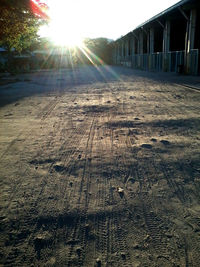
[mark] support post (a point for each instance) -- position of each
(190, 38)
(151, 41)
(150, 46)
(141, 43)
(140, 50)
(114, 54)
(122, 47)
(133, 46)
(133, 52)
(166, 46)
(148, 42)
(118, 54)
(126, 48)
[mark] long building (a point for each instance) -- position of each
(170, 41)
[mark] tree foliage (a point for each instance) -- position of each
(100, 49)
(95, 51)
(18, 24)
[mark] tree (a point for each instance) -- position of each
(100, 49)
(18, 24)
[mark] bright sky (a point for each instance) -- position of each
(76, 19)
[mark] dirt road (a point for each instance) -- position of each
(99, 167)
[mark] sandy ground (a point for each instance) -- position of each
(99, 167)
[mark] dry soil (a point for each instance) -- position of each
(99, 166)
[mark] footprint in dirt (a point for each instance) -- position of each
(148, 146)
(59, 168)
(165, 142)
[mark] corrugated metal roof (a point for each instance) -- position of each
(180, 3)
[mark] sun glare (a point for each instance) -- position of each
(63, 36)
(64, 28)
(72, 20)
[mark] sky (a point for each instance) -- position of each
(74, 19)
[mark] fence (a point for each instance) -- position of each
(156, 60)
(174, 61)
(193, 58)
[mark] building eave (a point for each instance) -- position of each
(158, 16)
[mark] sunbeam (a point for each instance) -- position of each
(92, 58)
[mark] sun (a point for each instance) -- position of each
(64, 28)
(62, 35)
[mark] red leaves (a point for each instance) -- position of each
(40, 9)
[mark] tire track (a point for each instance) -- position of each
(66, 157)
(193, 251)
(44, 180)
(102, 219)
(80, 227)
(120, 242)
(72, 136)
(46, 111)
(102, 226)
(151, 220)
(110, 234)
(175, 187)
